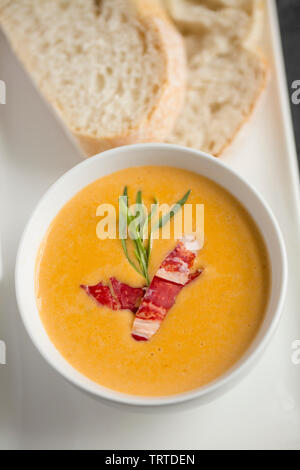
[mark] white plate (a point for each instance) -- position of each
(38, 408)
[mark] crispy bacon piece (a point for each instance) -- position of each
(151, 307)
(194, 276)
(126, 297)
(173, 274)
(102, 294)
(176, 267)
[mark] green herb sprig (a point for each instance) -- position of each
(137, 230)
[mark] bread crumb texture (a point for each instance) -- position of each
(226, 73)
(107, 66)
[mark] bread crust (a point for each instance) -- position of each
(247, 117)
(159, 123)
(249, 44)
(254, 104)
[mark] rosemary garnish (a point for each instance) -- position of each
(176, 208)
(137, 229)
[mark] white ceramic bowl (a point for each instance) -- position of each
(138, 155)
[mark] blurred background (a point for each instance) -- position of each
(289, 14)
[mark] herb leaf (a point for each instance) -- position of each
(136, 230)
(176, 208)
(151, 215)
(139, 197)
(140, 227)
(128, 257)
(123, 228)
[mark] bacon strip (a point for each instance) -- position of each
(102, 294)
(173, 274)
(126, 297)
(151, 307)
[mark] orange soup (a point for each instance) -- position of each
(213, 320)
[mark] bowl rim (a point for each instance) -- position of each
(231, 376)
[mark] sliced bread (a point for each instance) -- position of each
(114, 70)
(225, 77)
(238, 20)
(223, 87)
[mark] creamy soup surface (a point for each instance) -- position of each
(214, 319)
